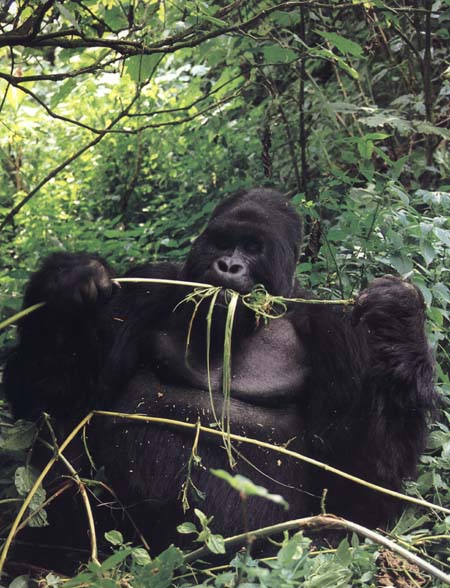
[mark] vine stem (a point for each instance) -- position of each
(278, 449)
(16, 317)
(81, 487)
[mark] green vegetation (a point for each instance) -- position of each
(123, 123)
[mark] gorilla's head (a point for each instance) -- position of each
(252, 238)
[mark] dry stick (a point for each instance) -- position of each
(161, 281)
(81, 487)
(331, 522)
(19, 315)
(283, 450)
(345, 302)
(35, 488)
(68, 484)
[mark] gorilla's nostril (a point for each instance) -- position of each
(222, 265)
(236, 269)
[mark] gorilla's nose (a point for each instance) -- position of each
(229, 267)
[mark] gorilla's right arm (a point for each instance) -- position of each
(63, 347)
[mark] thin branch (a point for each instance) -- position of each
(185, 119)
(53, 114)
(427, 83)
(97, 66)
(5, 93)
(189, 106)
(67, 484)
(330, 522)
(19, 315)
(34, 489)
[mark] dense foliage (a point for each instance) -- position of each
(123, 123)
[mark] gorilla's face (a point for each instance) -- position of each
(232, 258)
(252, 238)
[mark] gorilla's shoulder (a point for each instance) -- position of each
(164, 269)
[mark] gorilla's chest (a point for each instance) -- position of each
(268, 365)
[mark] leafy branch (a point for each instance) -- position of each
(18, 207)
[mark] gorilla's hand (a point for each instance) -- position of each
(70, 281)
(389, 301)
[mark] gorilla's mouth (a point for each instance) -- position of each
(241, 284)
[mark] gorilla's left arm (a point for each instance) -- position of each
(370, 389)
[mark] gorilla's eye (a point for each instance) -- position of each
(221, 242)
(252, 245)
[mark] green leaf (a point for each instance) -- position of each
(140, 556)
(376, 136)
(246, 487)
(428, 129)
(114, 17)
(21, 582)
(24, 479)
(159, 573)
(343, 554)
(213, 20)
(63, 91)
(115, 559)
(294, 550)
(53, 581)
(329, 55)
(215, 543)
(106, 583)
(114, 537)
(278, 54)
(428, 252)
(204, 520)
(344, 45)
(365, 148)
(442, 292)
(68, 16)
(443, 235)
(141, 67)
(401, 264)
(19, 437)
(436, 198)
(186, 528)
(381, 118)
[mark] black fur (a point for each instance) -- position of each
(353, 388)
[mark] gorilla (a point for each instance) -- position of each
(352, 387)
